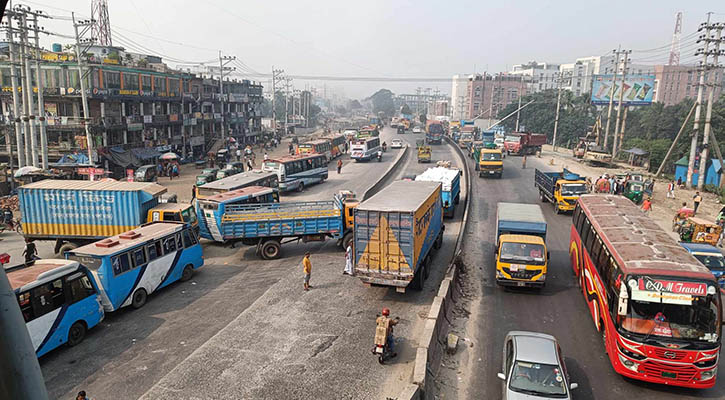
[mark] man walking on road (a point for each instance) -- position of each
(339, 166)
(671, 190)
(307, 270)
(697, 199)
(348, 261)
(193, 193)
(523, 162)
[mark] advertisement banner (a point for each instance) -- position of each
(637, 90)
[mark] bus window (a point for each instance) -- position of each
(139, 257)
(80, 287)
(172, 216)
(120, 264)
(187, 239)
(169, 244)
(179, 243)
(25, 307)
(47, 297)
(153, 252)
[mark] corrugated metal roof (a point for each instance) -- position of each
(403, 196)
(639, 244)
(150, 188)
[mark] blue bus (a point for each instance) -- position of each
(212, 208)
(364, 149)
(237, 181)
(59, 302)
(130, 266)
(299, 171)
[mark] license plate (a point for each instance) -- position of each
(520, 284)
(669, 375)
(491, 172)
(516, 267)
(379, 350)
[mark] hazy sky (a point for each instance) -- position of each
(376, 38)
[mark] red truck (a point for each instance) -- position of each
(523, 143)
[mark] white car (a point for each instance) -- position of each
(396, 144)
(417, 130)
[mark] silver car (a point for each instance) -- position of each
(534, 368)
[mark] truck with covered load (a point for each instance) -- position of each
(561, 188)
(75, 213)
(521, 254)
(450, 179)
(396, 233)
(521, 143)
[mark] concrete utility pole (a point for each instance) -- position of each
(611, 98)
(558, 106)
(710, 99)
(276, 74)
(287, 81)
(616, 145)
(19, 134)
(521, 89)
(30, 106)
(86, 25)
(41, 101)
(700, 86)
(223, 61)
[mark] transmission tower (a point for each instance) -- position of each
(101, 29)
(675, 50)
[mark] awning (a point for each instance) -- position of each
(145, 153)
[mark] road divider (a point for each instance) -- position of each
(432, 342)
(383, 181)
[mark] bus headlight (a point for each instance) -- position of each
(709, 374)
(629, 364)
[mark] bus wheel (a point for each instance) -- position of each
(76, 333)
(301, 187)
(187, 273)
(67, 246)
(271, 250)
(139, 298)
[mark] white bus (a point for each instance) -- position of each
(363, 149)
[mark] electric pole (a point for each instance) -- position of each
(615, 144)
(86, 25)
(558, 106)
(287, 81)
(30, 105)
(41, 88)
(276, 74)
(19, 133)
(223, 61)
(611, 98)
(518, 111)
(710, 99)
(700, 86)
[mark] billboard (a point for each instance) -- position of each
(637, 89)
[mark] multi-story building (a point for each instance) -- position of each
(674, 83)
(538, 77)
(458, 97)
(487, 94)
(137, 107)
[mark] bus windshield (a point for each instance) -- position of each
(528, 253)
(672, 310)
(573, 189)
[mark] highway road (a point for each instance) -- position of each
(243, 327)
(559, 309)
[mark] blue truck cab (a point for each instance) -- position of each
(711, 257)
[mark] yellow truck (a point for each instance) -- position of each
(490, 162)
(521, 254)
(562, 189)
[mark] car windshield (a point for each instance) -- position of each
(714, 262)
(573, 189)
(522, 253)
(538, 379)
(491, 156)
(513, 139)
(672, 309)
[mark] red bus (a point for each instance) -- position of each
(657, 308)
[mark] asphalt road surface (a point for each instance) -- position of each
(559, 309)
(243, 328)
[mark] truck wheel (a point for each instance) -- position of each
(139, 298)
(67, 246)
(418, 279)
(439, 242)
(347, 240)
(271, 250)
(427, 264)
(76, 333)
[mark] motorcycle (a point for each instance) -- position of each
(13, 225)
(383, 352)
(380, 156)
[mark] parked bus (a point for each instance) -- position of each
(657, 308)
(213, 208)
(319, 146)
(364, 149)
(338, 145)
(59, 302)
(130, 266)
(241, 180)
(297, 172)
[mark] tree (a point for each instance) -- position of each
(354, 105)
(383, 101)
(423, 119)
(405, 109)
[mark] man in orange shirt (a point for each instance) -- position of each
(307, 270)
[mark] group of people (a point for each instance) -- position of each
(613, 185)
(170, 169)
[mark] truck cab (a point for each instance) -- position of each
(561, 188)
(174, 212)
(521, 260)
(490, 162)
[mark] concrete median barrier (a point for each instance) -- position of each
(433, 339)
(384, 180)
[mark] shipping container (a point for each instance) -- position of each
(77, 212)
(395, 233)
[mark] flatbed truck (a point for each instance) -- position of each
(561, 188)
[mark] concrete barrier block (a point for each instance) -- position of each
(436, 308)
(427, 337)
(421, 364)
(451, 343)
(410, 392)
(444, 289)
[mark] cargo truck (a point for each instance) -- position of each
(434, 132)
(521, 255)
(562, 188)
(396, 233)
(270, 225)
(490, 161)
(75, 213)
(521, 143)
(450, 179)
